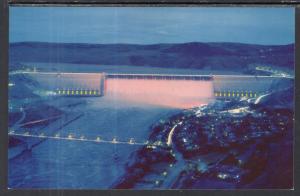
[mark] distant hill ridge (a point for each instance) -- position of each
(184, 55)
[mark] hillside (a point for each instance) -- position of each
(222, 56)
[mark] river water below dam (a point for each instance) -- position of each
(59, 163)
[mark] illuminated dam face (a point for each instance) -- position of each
(177, 91)
(162, 91)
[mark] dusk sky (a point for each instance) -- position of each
(149, 25)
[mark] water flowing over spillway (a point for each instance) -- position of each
(172, 93)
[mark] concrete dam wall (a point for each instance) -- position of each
(70, 84)
(230, 86)
(180, 91)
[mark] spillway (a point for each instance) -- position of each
(169, 93)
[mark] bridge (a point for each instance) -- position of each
(82, 138)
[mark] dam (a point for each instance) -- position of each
(170, 90)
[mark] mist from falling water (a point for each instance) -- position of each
(180, 94)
